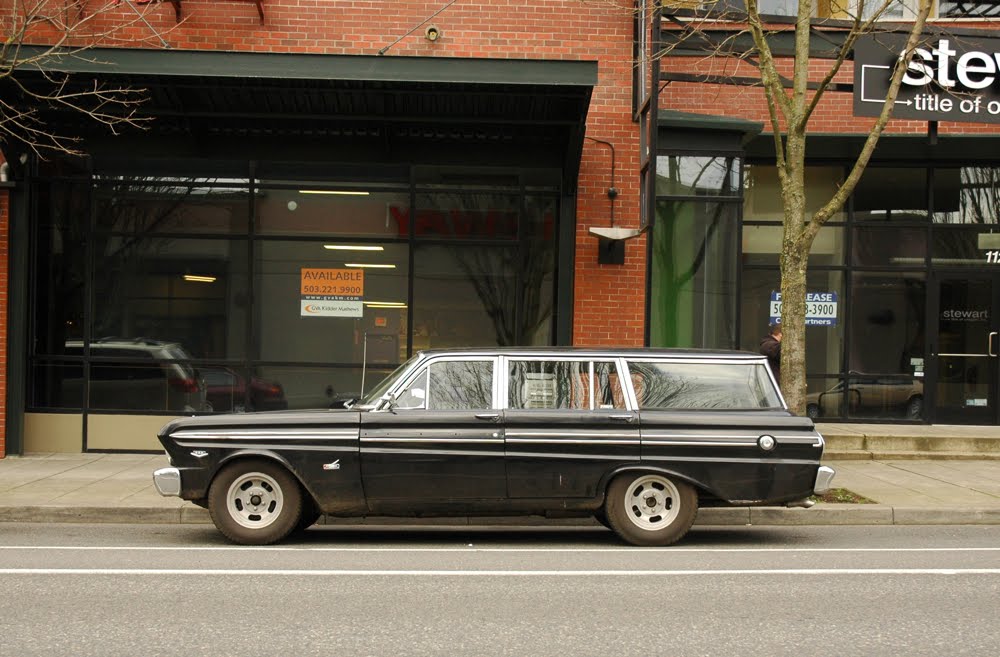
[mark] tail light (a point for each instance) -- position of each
(273, 390)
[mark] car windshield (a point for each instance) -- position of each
(386, 383)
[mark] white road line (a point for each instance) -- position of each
(494, 573)
(472, 548)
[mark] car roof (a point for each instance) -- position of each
(634, 352)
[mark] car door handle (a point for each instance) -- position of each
(488, 416)
(622, 417)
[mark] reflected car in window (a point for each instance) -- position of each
(139, 374)
(870, 396)
(229, 391)
(640, 439)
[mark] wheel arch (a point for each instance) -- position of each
(637, 468)
(267, 454)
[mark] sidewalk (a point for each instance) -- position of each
(118, 488)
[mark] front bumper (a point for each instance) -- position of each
(824, 479)
(167, 482)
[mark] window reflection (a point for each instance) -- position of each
(678, 175)
(579, 385)
(460, 385)
(716, 386)
(970, 195)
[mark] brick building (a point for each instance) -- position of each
(327, 187)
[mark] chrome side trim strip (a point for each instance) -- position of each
(601, 457)
(595, 441)
(701, 443)
(581, 434)
(449, 452)
(285, 447)
(261, 433)
(717, 459)
(368, 439)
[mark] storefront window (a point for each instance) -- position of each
(875, 245)
(465, 295)
(230, 295)
(60, 265)
(686, 175)
(290, 275)
(693, 279)
(345, 210)
(139, 206)
(887, 194)
(762, 245)
(460, 215)
(824, 326)
(970, 195)
(193, 292)
(762, 192)
(887, 323)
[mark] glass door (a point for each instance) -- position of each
(966, 349)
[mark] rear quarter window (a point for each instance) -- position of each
(718, 386)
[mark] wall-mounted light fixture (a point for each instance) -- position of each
(385, 304)
(432, 33)
(199, 279)
(368, 265)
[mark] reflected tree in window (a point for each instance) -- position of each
(461, 385)
(514, 282)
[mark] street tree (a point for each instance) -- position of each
(39, 39)
(792, 100)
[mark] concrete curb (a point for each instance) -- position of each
(821, 514)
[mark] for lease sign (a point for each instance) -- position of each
(821, 308)
(948, 79)
(331, 292)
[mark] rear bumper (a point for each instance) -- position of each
(167, 482)
(824, 479)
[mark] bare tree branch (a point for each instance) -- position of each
(35, 80)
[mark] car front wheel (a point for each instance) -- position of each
(255, 502)
(650, 509)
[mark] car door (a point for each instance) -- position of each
(441, 442)
(566, 423)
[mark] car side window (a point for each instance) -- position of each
(678, 385)
(450, 385)
(457, 385)
(569, 384)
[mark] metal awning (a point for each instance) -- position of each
(382, 102)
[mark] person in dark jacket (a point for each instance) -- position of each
(770, 346)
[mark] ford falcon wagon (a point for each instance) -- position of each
(638, 438)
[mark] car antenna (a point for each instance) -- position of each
(364, 362)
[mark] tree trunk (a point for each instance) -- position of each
(793, 325)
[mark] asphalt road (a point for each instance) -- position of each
(181, 590)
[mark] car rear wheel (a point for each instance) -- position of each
(255, 502)
(650, 509)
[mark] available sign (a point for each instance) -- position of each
(332, 292)
(948, 79)
(821, 308)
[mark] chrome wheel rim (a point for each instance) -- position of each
(255, 500)
(652, 502)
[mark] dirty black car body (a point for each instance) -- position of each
(638, 438)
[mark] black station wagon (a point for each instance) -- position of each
(637, 438)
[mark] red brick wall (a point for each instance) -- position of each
(608, 298)
(4, 237)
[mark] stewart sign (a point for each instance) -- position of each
(948, 79)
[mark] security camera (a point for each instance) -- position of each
(432, 33)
